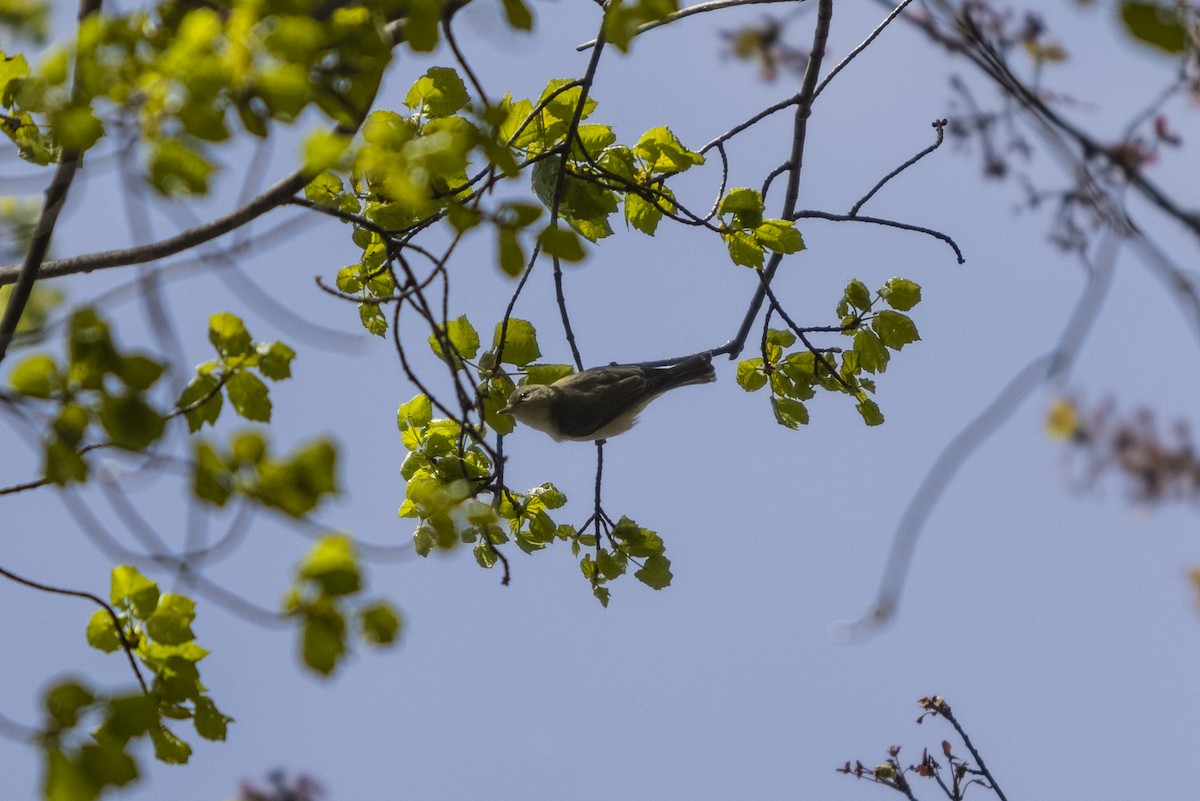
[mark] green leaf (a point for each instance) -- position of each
(171, 623)
(275, 360)
(790, 413)
(780, 236)
(495, 393)
(655, 572)
(663, 154)
(417, 412)
(750, 374)
(869, 411)
(178, 678)
(324, 638)
(211, 479)
(131, 590)
(900, 293)
(90, 350)
(546, 373)
(781, 338)
(296, 486)
(168, 748)
(106, 763)
(595, 138)
(249, 396)
(228, 335)
(36, 376)
(746, 206)
(372, 319)
(325, 150)
(102, 633)
(130, 716)
(66, 780)
(380, 623)
(211, 724)
(485, 557)
(895, 329)
(548, 496)
(744, 249)
(63, 463)
(440, 92)
(520, 342)
(139, 372)
(65, 701)
(176, 169)
(857, 295)
(623, 17)
(76, 129)
(561, 243)
(873, 356)
(1156, 24)
(328, 190)
(642, 214)
(130, 422)
(510, 255)
(422, 24)
(463, 337)
(333, 565)
(518, 15)
(71, 423)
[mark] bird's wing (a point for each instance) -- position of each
(598, 398)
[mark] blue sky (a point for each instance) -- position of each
(1060, 625)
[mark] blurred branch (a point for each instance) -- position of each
(268, 200)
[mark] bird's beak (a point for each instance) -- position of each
(507, 409)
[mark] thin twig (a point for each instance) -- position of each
(116, 621)
(861, 47)
(939, 126)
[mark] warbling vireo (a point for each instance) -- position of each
(604, 401)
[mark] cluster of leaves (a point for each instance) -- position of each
(446, 475)
(628, 542)
(97, 385)
(598, 172)
(405, 172)
(156, 629)
(747, 235)
(327, 581)
(793, 377)
(236, 370)
(294, 484)
(185, 71)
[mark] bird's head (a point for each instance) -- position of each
(531, 405)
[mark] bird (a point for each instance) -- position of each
(601, 402)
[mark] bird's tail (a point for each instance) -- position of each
(693, 370)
